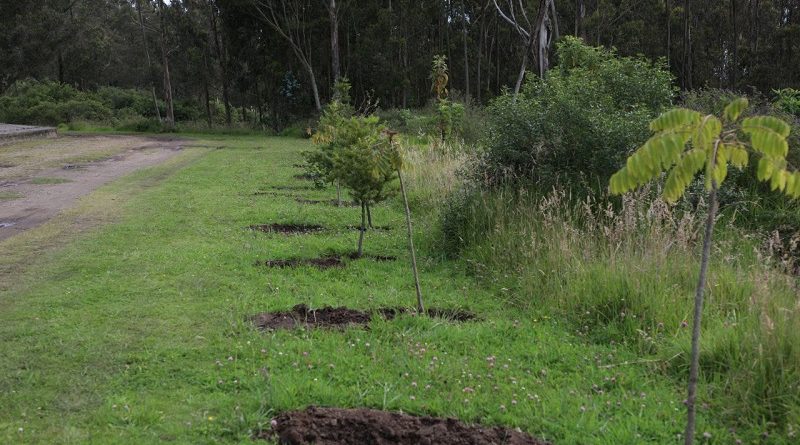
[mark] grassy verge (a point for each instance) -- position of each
(138, 333)
(627, 276)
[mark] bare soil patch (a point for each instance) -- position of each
(287, 229)
(327, 262)
(338, 426)
(73, 167)
(339, 317)
(301, 315)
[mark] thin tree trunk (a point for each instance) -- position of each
(333, 13)
(259, 103)
(698, 311)
(223, 67)
(669, 32)
(149, 61)
(479, 56)
(735, 44)
(362, 230)
(522, 68)
(165, 61)
(205, 89)
(314, 89)
(420, 306)
(686, 80)
(466, 50)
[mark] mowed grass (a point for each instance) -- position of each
(138, 332)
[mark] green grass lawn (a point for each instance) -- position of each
(137, 332)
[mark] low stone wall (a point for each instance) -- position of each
(13, 133)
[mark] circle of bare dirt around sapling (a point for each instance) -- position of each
(367, 256)
(328, 262)
(378, 228)
(340, 317)
(339, 426)
(287, 229)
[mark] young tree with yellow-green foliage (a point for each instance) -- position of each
(686, 143)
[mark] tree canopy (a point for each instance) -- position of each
(257, 55)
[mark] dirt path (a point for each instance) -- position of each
(32, 190)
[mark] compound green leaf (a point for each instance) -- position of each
(760, 123)
(734, 109)
(675, 118)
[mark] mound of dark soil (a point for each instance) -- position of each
(337, 426)
(327, 262)
(328, 317)
(378, 228)
(301, 315)
(366, 256)
(287, 229)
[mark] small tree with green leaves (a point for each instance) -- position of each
(449, 115)
(319, 163)
(685, 143)
(364, 161)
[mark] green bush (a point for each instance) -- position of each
(788, 99)
(757, 208)
(581, 120)
(52, 103)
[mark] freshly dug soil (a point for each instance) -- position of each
(378, 228)
(337, 426)
(301, 315)
(327, 262)
(329, 317)
(288, 229)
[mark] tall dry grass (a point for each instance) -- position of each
(625, 272)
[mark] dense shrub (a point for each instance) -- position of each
(788, 99)
(53, 103)
(49, 103)
(757, 208)
(582, 119)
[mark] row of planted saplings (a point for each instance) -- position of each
(359, 154)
